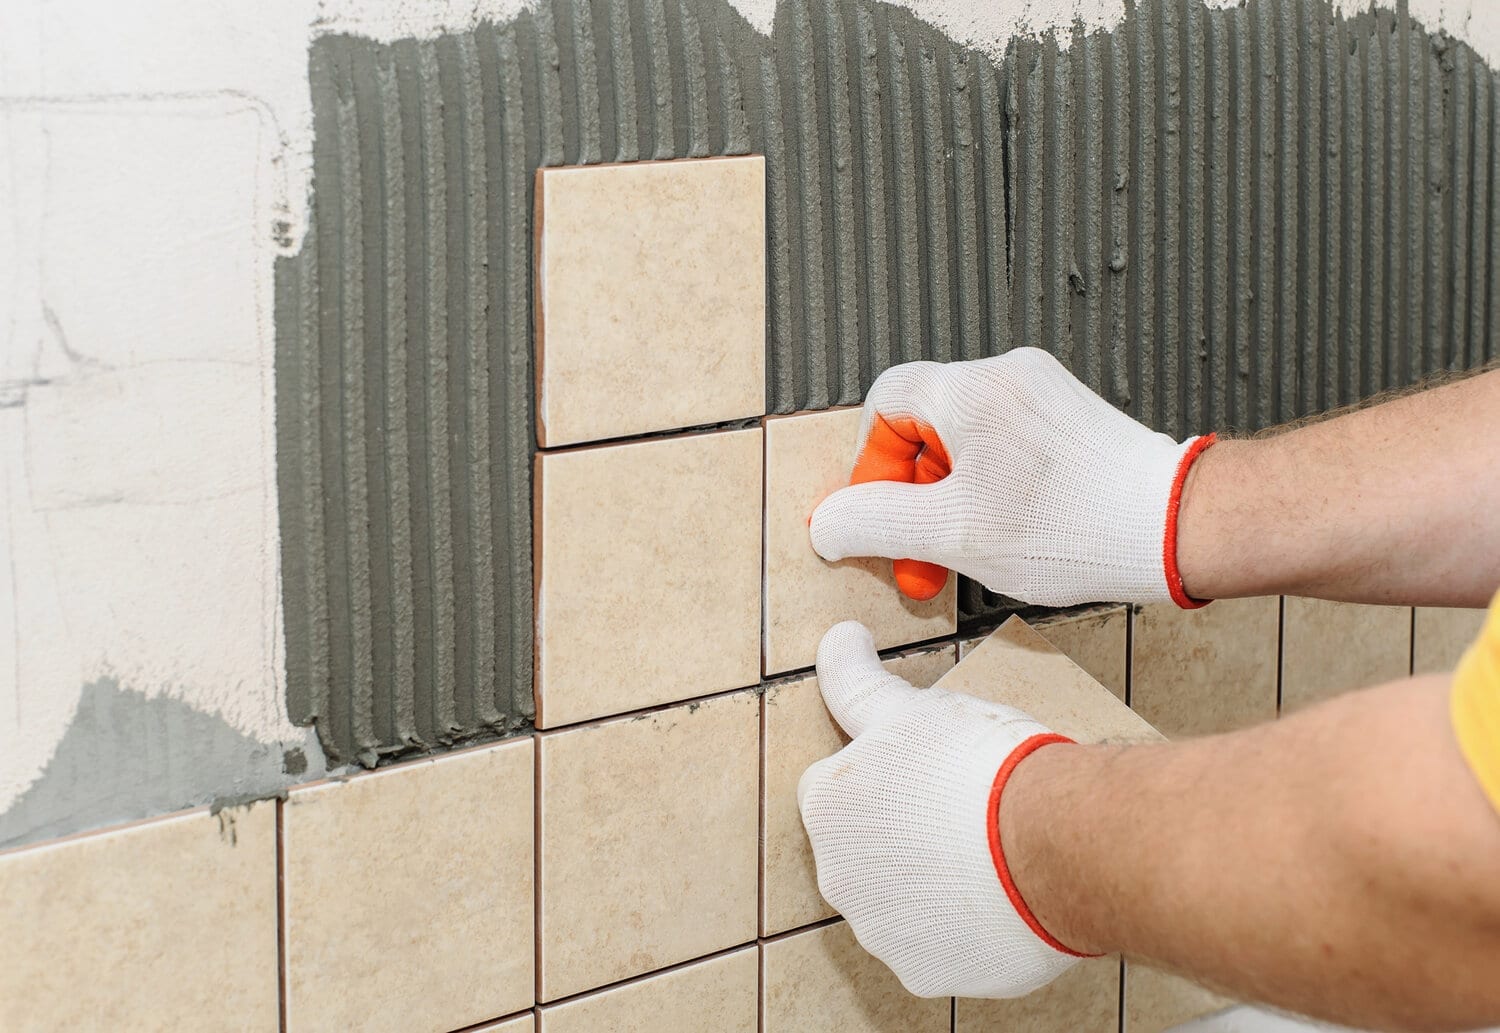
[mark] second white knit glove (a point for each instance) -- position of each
(1020, 477)
(904, 823)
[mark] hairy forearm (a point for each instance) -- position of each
(1342, 863)
(1398, 503)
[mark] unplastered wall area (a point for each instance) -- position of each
(442, 390)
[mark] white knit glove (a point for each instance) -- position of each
(1051, 495)
(904, 827)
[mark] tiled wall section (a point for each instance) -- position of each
(637, 862)
(675, 888)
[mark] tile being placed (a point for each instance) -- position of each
(651, 288)
(1156, 1001)
(408, 894)
(798, 731)
(1095, 641)
(1016, 666)
(648, 841)
(1198, 672)
(822, 979)
(1084, 999)
(166, 924)
(1440, 636)
(809, 456)
(641, 549)
(1328, 648)
(718, 994)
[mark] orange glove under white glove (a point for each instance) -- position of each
(904, 823)
(1012, 472)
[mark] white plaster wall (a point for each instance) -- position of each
(154, 160)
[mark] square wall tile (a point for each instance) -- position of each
(1328, 648)
(717, 995)
(1095, 641)
(1198, 672)
(1440, 636)
(408, 894)
(1016, 666)
(798, 730)
(1156, 1001)
(808, 457)
(647, 573)
(1084, 999)
(823, 979)
(649, 829)
(166, 924)
(651, 297)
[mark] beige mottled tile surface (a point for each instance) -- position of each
(643, 549)
(648, 844)
(1328, 648)
(1084, 999)
(717, 995)
(1095, 641)
(1197, 672)
(1016, 666)
(408, 894)
(165, 924)
(519, 1024)
(651, 288)
(809, 456)
(798, 731)
(822, 981)
(1156, 1001)
(1440, 636)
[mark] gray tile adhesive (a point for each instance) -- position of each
(1219, 219)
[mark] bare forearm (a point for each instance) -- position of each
(1399, 503)
(1342, 863)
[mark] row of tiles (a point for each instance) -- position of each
(425, 895)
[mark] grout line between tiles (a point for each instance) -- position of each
(1411, 646)
(1280, 646)
(760, 829)
(784, 934)
(1129, 651)
(486, 1023)
(672, 433)
(536, 867)
(953, 1015)
(619, 984)
(281, 951)
(1121, 1015)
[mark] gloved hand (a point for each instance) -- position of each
(1019, 477)
(905, 829)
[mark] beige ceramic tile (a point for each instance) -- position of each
(1084, 999)
(649, 829)
(648, 573)
(1095, 641)
(822, 980)
(167, 924)
(798, 731)
(1328, 648)
(408, 895)
(1016, 666)
(1197, 672)
(651, 311)
(717, 995)
(1440, 637)
(1156, 1001)
(807, 457)
(519, 1024)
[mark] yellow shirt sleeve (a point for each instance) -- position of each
(1475, 705)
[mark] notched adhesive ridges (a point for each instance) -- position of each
(1219, 218)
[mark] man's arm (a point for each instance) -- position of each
(1397, 503)
(1342, 862)
(1050, 495)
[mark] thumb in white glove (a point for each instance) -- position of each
(1012, 472)
(904, 823)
